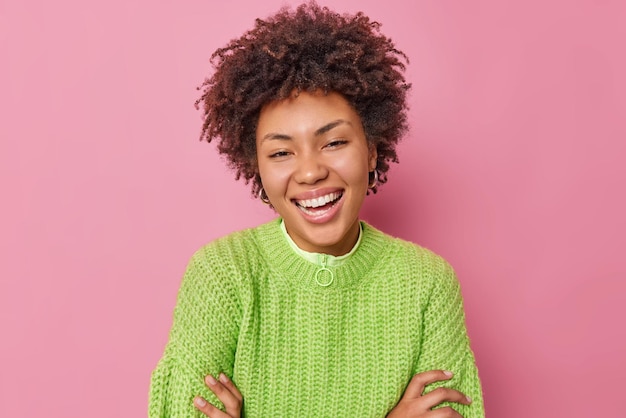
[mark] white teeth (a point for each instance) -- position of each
(320, 201)
(320, 212)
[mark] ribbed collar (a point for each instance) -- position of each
(289, 266)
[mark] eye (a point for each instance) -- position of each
(336, 143)
(279, 154)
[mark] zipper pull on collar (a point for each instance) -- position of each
(324, 276)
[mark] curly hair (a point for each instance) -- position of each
(309, 49)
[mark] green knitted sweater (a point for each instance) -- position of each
(250, 307)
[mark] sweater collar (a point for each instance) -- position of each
(290, 267)
(322, 260)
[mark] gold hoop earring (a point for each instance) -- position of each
(374, 183)
(263, 196)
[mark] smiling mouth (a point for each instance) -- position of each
(319, 205)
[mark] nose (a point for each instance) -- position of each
(310, 169)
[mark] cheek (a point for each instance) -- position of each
(274, 178)
(354, 169)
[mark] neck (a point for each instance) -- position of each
(342, 247)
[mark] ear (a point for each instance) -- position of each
(372, 157)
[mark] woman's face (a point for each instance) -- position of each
(314, 162)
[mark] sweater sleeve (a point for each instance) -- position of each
(445, 344)
(202, 339)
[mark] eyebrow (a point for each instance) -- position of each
(320, 131)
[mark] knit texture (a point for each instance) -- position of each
(250, 307)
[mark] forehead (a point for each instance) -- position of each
(305, 112)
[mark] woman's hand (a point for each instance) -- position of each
(414, 404)
(226, 392)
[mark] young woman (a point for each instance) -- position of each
(314, 314)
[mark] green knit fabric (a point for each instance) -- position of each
(250, 307)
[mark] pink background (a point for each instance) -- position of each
(513, 171)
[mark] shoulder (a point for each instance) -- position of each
(234, 256)
(407, 251)
(413, 262)
(230, 247)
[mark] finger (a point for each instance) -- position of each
(208, 409)
(223, 393)
(439, 395)
(231, 386)
(419, 381)
(445, 412)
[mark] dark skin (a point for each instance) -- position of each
(414, 403)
